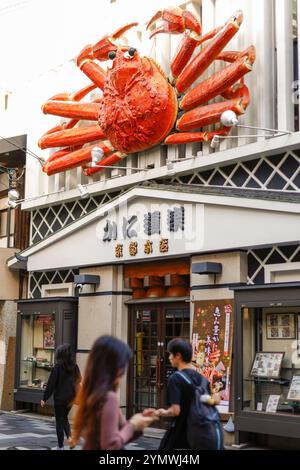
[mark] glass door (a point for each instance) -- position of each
(152, 326)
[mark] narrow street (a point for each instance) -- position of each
(19, 432)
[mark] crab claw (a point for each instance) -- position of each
(103, 47)
(175, 21)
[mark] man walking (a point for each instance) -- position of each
(180, 392)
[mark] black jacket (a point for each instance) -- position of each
(62, 384)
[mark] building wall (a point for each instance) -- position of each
(204, 287)
(102, 314)
(9, 280)
(51, 69)
(8, 318)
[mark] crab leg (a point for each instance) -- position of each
(176, 21)
(189, 137)
(76, 96)
(73, 159)
(62, 153)
(110, 160)
(67, 125)
(207, 115)
(72, 109)
(209, 53)
(78, 136)
(220, 81)
(183, 55)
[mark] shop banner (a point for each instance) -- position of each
(212, 345)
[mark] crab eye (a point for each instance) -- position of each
(131, 51)
(111, 55)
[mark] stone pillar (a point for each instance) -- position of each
(102, 311)
(207, 287)
(234, 271)
(8, 318)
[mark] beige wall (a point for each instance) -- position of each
(9, 279)
(8, 317)
(288, 346)
(102, 314)
(234, 270)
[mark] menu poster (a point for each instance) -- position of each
(294, 390)
(49, 335)
(212, 344)
(267, 364)
(272, 403)
(281, 326)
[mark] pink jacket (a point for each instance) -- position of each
(114, 430)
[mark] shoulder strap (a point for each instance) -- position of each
(190, 381)
(185, 378)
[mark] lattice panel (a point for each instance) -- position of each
(37, 279)
(276, 173)
(259, 258)
(273, 173)
(49, 220)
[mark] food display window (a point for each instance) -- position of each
(266, 364)
(271, 363)
(42, 325)
(37, 349)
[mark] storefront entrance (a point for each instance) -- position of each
(151, 327)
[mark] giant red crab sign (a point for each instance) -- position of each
(140, 105)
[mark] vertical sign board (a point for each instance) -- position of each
(212, 345)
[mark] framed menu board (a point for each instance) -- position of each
(294, 390)
(267, 364)
(281, 326)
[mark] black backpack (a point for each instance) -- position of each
(204, 429)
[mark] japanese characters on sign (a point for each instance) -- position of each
(212, 344)
(152, 224)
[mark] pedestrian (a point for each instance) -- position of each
(64, 379)
(99, 419)
(180, 393)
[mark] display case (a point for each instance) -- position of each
(42, 325)
(267, 360)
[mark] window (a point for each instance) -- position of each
(37, 350)
(271, 360)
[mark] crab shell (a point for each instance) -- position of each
(139, 106)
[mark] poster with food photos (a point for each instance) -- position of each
(272, 404)
(267, 364)
(281, 326)
(294, 390)
(212, 344)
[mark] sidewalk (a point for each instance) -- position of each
(30, 431)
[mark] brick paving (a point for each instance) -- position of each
(21, 432)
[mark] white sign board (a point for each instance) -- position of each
(148, 229)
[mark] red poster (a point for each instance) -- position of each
(212, 344)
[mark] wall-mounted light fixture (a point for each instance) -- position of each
(230, 119)
(84, 193)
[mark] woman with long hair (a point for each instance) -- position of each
(99, 419)
(63, 382)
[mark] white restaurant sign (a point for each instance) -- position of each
(146, 224)
(148, 229)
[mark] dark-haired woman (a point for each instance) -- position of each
(99, 419)
(63, 382)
